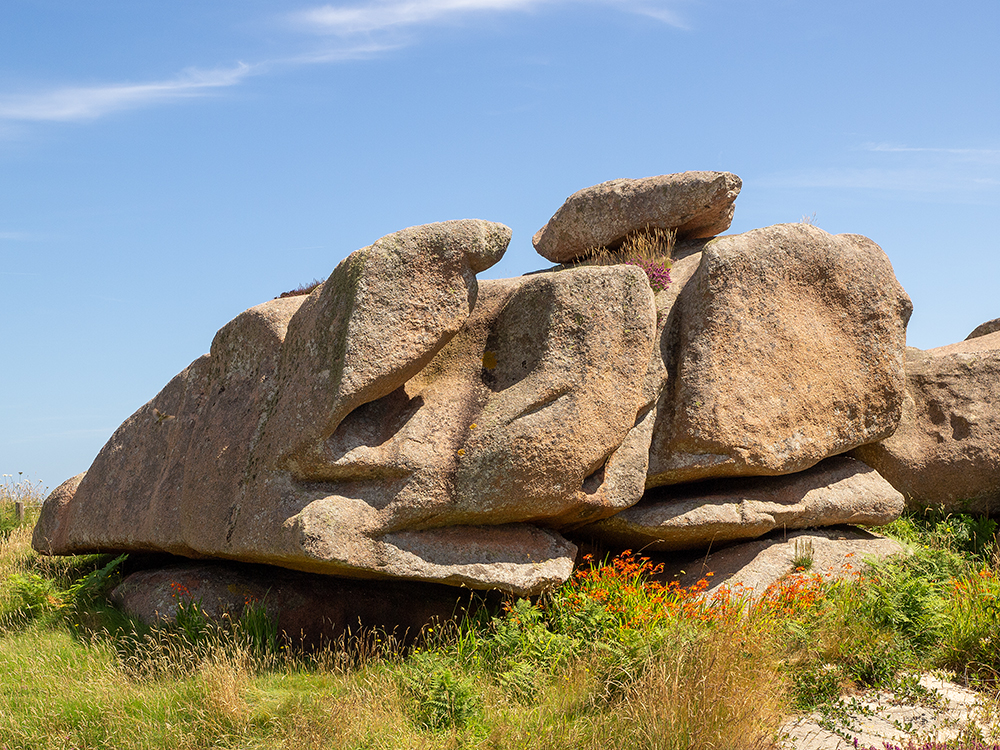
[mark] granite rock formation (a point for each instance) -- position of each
(784, 347)
(839, 490)
(407, 421)
(496, 414)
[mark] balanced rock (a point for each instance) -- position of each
(695, 204)
(785, 346)
(402, 421)
(840, 490)
(946, 451)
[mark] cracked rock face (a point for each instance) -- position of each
(402, 421)
(946, 451)
(839, 490)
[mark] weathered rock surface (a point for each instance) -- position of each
(840, 490)
(946, 450)
(786, 346)
(984, 329)
(308, 609)
(696, 204)
(376, 322)
(60, 497)
(404, 420)
(495, 413)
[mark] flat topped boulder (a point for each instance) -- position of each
(839, 490)
(695, 204)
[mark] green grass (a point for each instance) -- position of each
(611, 659)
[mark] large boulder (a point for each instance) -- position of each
(402, 421)
(695, 204)
(946, 450)
(840, 490)
(785, 346)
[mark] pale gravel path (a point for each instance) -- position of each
(877, 717)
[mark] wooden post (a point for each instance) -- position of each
(19, 511)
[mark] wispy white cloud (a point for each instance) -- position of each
(396, 15)
(894, 148)
(353, 49)
(379, 16)
(359, 31)
(90, 102)
(944, 173)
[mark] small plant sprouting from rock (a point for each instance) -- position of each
(648, 249)
(301, 290)
(802, 557)
(657, 272)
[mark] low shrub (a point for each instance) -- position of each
(441, 695)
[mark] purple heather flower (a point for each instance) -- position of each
(657, 273)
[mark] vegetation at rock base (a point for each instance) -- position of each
(617, 657)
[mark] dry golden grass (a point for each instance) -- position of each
(725, 690)
(647, 246)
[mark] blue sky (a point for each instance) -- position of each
(164, 166)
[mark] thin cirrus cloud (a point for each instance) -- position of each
(385, 16)
(894, 148)
(950, 173)
(360, 30)
(939, 182)
(91, 102)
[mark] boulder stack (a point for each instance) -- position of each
(405, 421)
